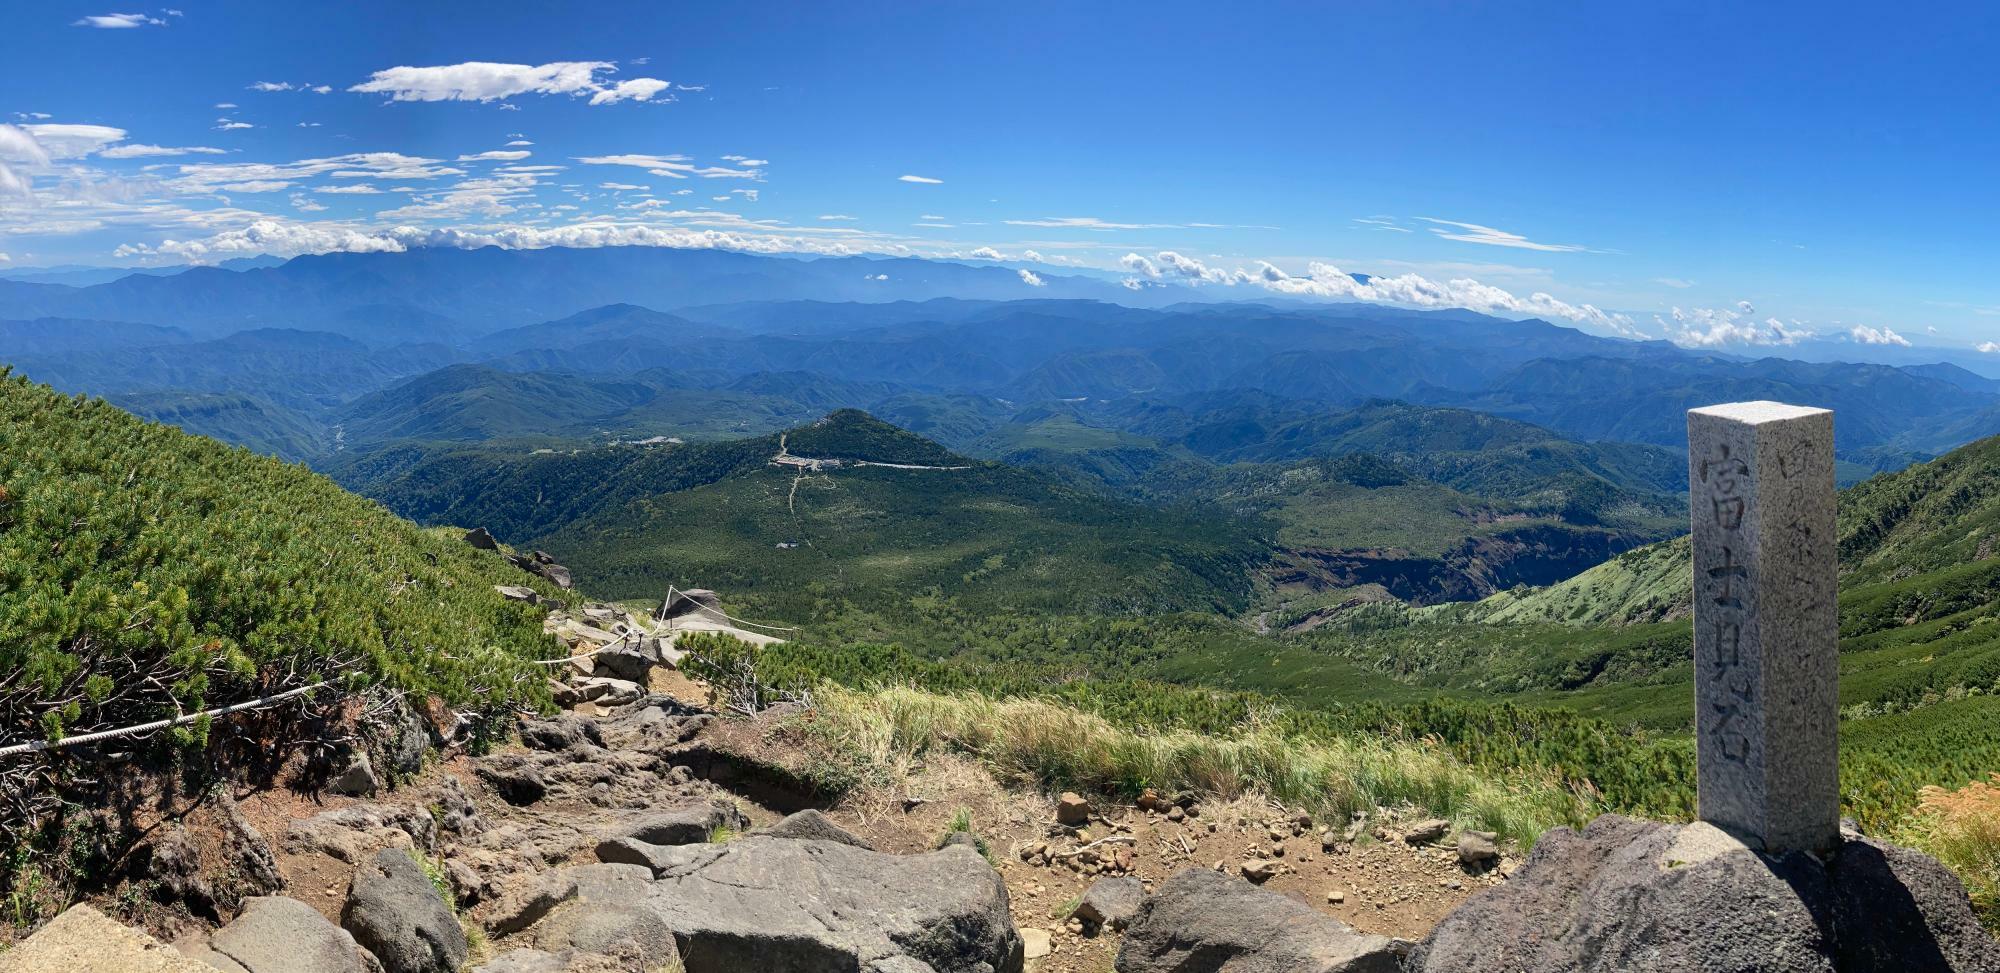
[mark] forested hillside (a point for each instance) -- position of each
(145, 572)
(634, 519)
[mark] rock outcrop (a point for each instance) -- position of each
(1639, 896)
(1201, 921)
(810, 824)
(778, 905)
(396, 913)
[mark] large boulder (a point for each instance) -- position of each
(83, 940)
(1639, 896)
(280, 935)
(1202, 921)
(789, 905)
(688, 602)
(395, 911)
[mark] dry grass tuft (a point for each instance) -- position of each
(1962, 829)
(1049, 745)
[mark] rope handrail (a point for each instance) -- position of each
(83, 738)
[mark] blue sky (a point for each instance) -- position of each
(1719, 174)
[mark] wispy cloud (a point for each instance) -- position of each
(1088, 223)
(485, 81)
(1674, 282)
(1488, 236)
(670, 166)
(1381, 223)
(124, 21)
(140, 150)
(837, 217)
(922, 179)
(497, 155)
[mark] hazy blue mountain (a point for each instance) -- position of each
(44, 336)
(1646, 401)
(505, 288)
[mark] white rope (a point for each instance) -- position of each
(40, 745)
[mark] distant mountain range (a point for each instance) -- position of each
(1435, 454)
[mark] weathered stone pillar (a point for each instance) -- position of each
(1767, 707)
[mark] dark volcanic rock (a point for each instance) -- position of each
(1112, 902)
(560, 733)
(1638, 896)
(1202, 921)
(683, 825)
(810, 824)
(395, 911)
(517, 781)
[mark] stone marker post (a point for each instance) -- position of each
(1766, 670)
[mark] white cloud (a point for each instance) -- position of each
(229, 125)
(1988, 347)
(282, 238)
(1877, 336)
(321, 89)
(225, 105)
(18, 144)
(744, 160)
(488, 81)
(358, 189)
(922, 179)
(306, 204)
(1720, 327)
(1030, 278)
(271, 86)
(121, 21)
(73, 141)
(255, 186)
(1381, 223)
(1088, 223)
(140, 150)
(837, 217)
(519, 142)
(497, 156)
(637, 89)
(4, 259)
(1474, 233)
(619, 186)
(1328, 281)
(986, 253)
(670, 166)
(1032, 255)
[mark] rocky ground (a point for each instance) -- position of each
(643, 831)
